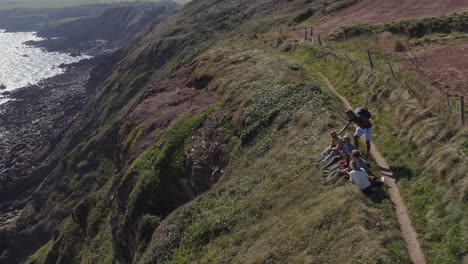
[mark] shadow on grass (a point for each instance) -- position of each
(401, 173)
(378, 195)
(386, 172)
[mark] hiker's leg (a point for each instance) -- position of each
(333, 161)
(375, 184)
(358, 133)
(323, 152)
(326, 158)
(368, 139)
(367, 190)
(335, 168)
(356, 142)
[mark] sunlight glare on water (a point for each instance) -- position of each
(21, 64)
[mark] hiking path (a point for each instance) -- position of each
(408, 232)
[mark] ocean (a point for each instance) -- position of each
(21, 65)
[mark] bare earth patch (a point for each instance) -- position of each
(168, 100)
(445, 67)
(378, 11)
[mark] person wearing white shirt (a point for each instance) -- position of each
(361, 179)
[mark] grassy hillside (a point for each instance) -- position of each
(126, 190)
(272, 204)
(424, 147)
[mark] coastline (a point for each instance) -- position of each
(30, 126)
(27, 65)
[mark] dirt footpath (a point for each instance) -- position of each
(378, 11)
(407, 230)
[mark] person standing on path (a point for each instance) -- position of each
(364, 126)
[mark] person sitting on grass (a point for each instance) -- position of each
(343, 165)
(335, 146)
(364, 126)
(356, 156)
(347, 146)
(361, 179)
(362, 163)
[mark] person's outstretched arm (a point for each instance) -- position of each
(350, 176)
(344, 128)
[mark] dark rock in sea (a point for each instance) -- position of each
(75, 54)
(2, 87)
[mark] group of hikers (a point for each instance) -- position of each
(342, 158)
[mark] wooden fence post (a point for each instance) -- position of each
(448, 103)
(320, 40)
(312, 34)
(462, 110)
(370, 59)
(393, 73)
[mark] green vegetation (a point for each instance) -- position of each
(321, 8)
(413, 28)
(132, 139)
(338, 5)
(272, 205)
(303, 16)
(63, 21)
(414, 132)
(27, 216)
(167, 157)
(41, 255)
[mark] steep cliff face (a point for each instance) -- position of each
(111, 29)
(157, 178)
(80, 187)
(192, 147)
(34, 19)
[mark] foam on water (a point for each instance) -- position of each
(21, 64)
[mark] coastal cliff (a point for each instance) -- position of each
(191, 144)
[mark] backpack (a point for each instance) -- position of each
(363, 112)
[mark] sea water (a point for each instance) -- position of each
(21, 65)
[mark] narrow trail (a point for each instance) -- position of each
(408, 233)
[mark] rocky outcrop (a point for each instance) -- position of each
(181, 95)
(30, 127)
(207, 156)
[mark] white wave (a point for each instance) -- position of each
(21, 64)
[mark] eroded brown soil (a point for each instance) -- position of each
(378, 11)
(445, 67)
(180, 95)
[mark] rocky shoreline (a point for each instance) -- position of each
(30, 126)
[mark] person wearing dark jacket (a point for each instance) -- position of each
(364, 126)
